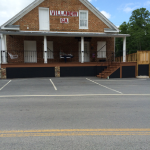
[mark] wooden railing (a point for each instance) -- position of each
(129, 58)
(143, 57)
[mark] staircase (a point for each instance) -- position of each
(109, 70)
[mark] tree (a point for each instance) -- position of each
(138, 26)
(139, 29)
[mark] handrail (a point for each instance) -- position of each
(109, 58)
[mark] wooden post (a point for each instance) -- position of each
(137, 62)
(120, 70)
(149, 64)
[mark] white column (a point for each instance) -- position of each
(0, 50)
(124, 49)
(82, 49)
(114, 49)
(45, 50)
(4, 48)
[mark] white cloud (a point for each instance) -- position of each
(9, 8)
(147, 3)
(91, 0)
(129, 7)
(107, 15)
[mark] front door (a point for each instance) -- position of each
(86, 52)
(30, 53)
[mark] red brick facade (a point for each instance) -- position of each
(67, 44)
(31, 19)
(15, 44)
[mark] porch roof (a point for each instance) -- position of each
(63, 34)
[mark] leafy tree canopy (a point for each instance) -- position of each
(139, 29)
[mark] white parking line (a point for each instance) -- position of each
(53, 85)
(78, 95)
(120, 80)
(104, 86)
(5, 85)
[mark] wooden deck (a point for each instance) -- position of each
(69, 64)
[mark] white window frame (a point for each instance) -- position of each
(87, 19)
(43, 8)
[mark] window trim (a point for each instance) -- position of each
(44, 8)
(87, 19)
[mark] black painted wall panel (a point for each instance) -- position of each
(80, 71)
(128, 72)
(116, 74)
(30, 72)
(77, 71)
(143, 70)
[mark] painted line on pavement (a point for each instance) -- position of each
(78, 95)
(74, 132)
(104, 86)
(53, 85)
(119, 80)
(5, 85)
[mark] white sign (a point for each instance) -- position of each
(64, 20)
(63, 13)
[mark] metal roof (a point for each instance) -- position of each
(63, 34)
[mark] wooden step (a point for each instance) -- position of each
(108, 71)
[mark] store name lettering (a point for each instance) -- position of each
(63, 13)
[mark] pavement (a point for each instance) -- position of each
(75, 113)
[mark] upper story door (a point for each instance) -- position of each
(44, 23)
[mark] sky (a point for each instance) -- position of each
(117, 11)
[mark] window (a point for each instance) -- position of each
(101, 49)
(83, 19)
(44, 19)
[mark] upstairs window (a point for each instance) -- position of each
(44, 19)
(83, 19)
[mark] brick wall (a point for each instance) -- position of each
(15, 45)
(31, 19)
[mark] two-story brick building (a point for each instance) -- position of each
(59, 38)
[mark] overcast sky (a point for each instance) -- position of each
(117, 11)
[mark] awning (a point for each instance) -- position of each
(63, 34)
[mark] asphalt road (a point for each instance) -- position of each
(74, 113)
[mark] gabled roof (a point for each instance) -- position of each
(22, 13)
(37, 2)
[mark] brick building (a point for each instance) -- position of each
(56, 34)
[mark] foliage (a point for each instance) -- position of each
(139, 29)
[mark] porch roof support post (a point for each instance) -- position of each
(45, 50)
(124, 49)
(82, 49)
(4, 49)
(0, 50)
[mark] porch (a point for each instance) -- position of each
(95, 51)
